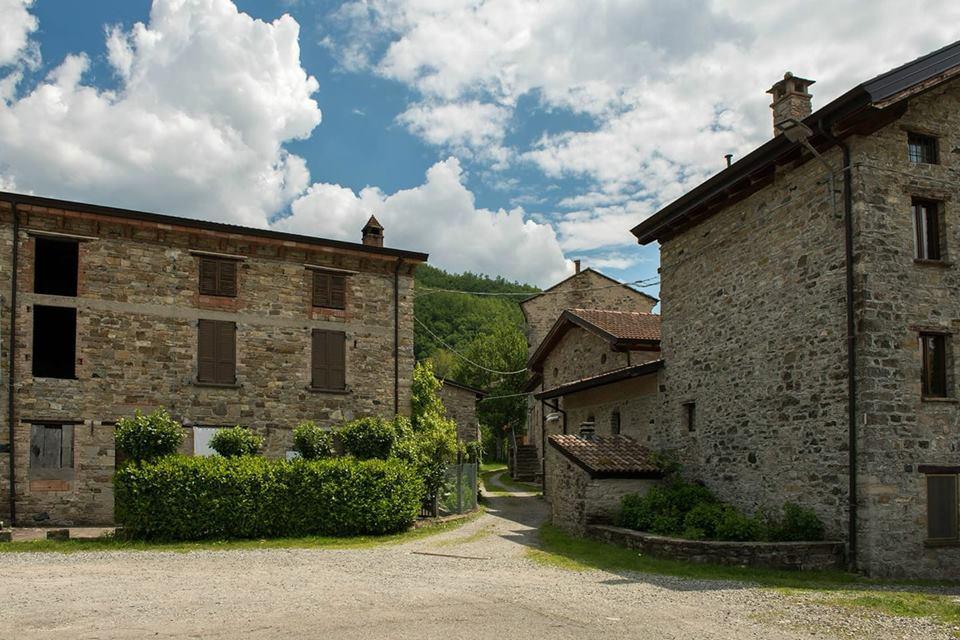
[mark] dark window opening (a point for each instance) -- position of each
(329, 290)
(328, 366)
(690, 415)
(933, 349)
(926, 225)
(55, 266)
(216, 352)
(51, 449)
(942, 506)
(218, 277)
(54, 342)
(615, 422)
(921, 149)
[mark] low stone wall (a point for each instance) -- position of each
(771, 555)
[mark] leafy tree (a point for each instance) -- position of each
(433, 445)
(504, 348)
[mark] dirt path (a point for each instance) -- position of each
(475, 582)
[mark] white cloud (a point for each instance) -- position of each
(440, 217)
(613, 260)
(464, 127)
(208, 96)
(16, 25)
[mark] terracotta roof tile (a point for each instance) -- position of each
(623, 325)
(607, 456)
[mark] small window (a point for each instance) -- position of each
(55, 267)
(54, 342)
(926, 225)
(942, 507)
(218, 277)
(216, 352)
(921, 149)
(51, 450)
(201, 440)
(603, 358)
(329, 290)
(328, 360)
(690, 415)
(933, 350)
(615, 422)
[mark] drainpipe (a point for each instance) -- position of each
(543, 435)
(12, 357)
(851, 347)
(396, 337)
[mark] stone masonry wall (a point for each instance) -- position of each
(899, 430)
(754, 334)
(461, 406)
(636, 399)
(137, 313)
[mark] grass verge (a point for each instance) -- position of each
(506, 482)
(839, 588)
(111, 543)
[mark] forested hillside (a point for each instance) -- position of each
(484, 329)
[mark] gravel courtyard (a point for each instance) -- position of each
(472, 582)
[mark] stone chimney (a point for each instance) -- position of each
(791, 99)
(373, 233)
(576, 266)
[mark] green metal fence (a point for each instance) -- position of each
(459, 491)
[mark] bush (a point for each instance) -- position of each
(235, 442)
(798, 524)
(369, 438)
(736, 526)
(193, 498)
(145, 438)
(703, 520)
(312, 441)
(663, 508)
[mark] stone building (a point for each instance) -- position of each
(809, 312)
(460, 401)
(113, 310)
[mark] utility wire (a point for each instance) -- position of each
(463, 357)
(647, 282)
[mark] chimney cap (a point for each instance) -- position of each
(790, 84)
(373, 223)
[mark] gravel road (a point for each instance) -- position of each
(474, 582)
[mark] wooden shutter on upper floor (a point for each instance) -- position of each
(227, 278)
(328, 360)
(218, 277)
(208, 276)
(942, 507)
(329, 290)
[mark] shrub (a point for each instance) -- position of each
(235, 442)
(798, 524)
(145, 438)
(663, 508)
(736, 526)
(368, 438)
(312, 441)
(193, 498)
(703, 519)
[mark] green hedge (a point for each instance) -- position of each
(193, 498)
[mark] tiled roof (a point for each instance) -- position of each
(600, 379)
(622, 325)
(608, 456)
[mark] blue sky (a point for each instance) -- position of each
(502, 136)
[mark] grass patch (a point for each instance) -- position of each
(492, 466)
(504, 480)
(837, 588)
(110, 543)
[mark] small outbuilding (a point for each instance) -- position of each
(460, 401)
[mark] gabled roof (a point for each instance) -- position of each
(447, 382)
(601, 379)
(613, 281)
(608, 457)
(624, 330)
(863, 109)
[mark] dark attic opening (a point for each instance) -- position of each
(56, 265)
(54, 342)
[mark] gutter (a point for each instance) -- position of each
(396, 337)
(12, 358)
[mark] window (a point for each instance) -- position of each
(933, 350)
(921, 149)
(690, 415)
(51, 450)
(615, 422)
(926, 226)
(55, 266)
(218, 277)
(216, 352)
(328, 360)
(942, 507)
(201, 440)
(329, 290)
(54, 342)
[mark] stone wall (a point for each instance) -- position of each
(137, 312)
(636, 399)
(461, 406)
(809, 556)
(899, 430)
(577, 500)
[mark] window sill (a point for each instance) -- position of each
(35, 377)
(218, 295)
(936, 544)
(943, 264)
(338, 392)
(320, 307)
(938, 399)
(217, 385)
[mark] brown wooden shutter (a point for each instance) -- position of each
(338, 292)
(226, 357)
(318, 360)
(321, 289)
(227, 278)
(942, 507)
(206, 351)
(328, 360)
(208, 276)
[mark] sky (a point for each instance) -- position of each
(505, 137)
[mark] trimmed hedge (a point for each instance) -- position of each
(368, 438)
(194, 498)
(148, 437)
(236, 441)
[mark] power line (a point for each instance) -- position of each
(508, 395)
(644, 283)
(463, 357)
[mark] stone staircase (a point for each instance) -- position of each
(526, 466)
